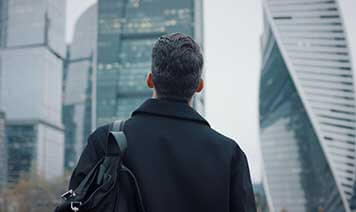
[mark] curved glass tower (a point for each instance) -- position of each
(78, 85)
(307, 107)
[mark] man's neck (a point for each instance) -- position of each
(190, 102)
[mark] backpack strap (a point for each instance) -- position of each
(137, 187)
(117, 142)
(116, 134)
(117, 126)
(116, 146)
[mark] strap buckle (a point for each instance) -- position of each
(75, 206)
(68, 194)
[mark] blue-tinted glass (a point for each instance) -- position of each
(298, 175)
(1, 21)
(3, 152)
(21, 150)
(78, 87)
(127, 30)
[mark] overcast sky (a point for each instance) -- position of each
(232, 30)
(232, 51)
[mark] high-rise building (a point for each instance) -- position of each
(31, 86)
(3, 152)
(260, 198)
(126, 32)
(3, 10)
(307, 107)
(78, 86)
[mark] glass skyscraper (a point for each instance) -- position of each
(3, 152)
(260, 198)
(307, 107)
(3, 10)
(126, 32)
(78, 86)
(31, 55)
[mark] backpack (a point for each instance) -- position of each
(109, 186)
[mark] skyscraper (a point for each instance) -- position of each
(260, 198)
(3, 152)
(3, 10)
(31, 86)
(78, 85)
(307, 107)
(126, 32)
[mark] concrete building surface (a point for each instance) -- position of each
(31, 54)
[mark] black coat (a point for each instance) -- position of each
(182, 165)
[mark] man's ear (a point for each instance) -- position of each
(149, 80)
(200, 86)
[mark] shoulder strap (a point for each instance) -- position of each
(117, 133)
(117, 126)
(117, 142)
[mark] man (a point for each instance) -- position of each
(181, 164)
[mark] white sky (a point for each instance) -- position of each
(232, 54)
(348, 8)
(232, 30)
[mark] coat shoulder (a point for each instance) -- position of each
(98, 138)
(100, 133)
(221, 138)
(226, 141)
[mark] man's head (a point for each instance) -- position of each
(177, 64)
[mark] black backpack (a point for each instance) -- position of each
(109, 186)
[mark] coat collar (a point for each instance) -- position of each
(170, 108)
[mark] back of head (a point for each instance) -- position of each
(177, 64)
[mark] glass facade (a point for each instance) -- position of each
(126, 32)
(297, 172)
(3, 152)
(3, 5)
(316, 51)
(34, 149)
(260, 198)
(21, 150)
(42, 21)
(37, 103)
(78, 86)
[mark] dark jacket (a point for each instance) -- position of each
(182, 165)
